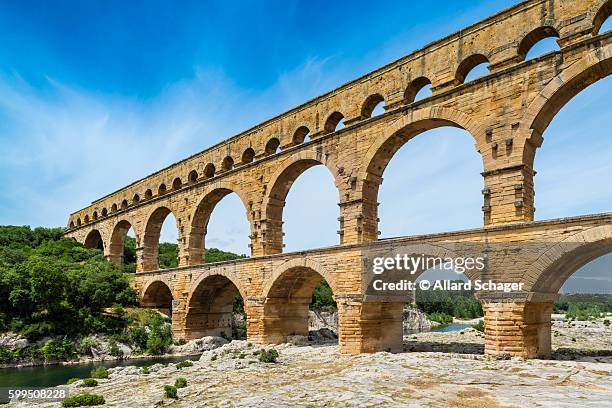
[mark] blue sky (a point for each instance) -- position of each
(96, 94)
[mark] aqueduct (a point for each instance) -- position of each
(506, 112)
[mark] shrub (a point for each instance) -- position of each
(160, 336)
(440, 317)
(57, 350)
(180, 382)
(86, 345)
(114, 349)
(479, 326)
(89, 382)
(99, 372)
(83, 400)
(72, 380)
(268, 356)
(213, 357)
(170, 391)
(606, 322)
(138, 337)
(183, 364)
(145, 370)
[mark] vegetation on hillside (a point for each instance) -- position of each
(443, 305)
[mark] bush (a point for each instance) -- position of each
(170, 391)
(323, 297)
(83, 400)
(160, 336)
(72, 380)
(138, 337)
(89, 382)
(57, 350)
(268, 356)
(114, 349)
(99, 372)
(606, 322)
(479, 326)
(145, 370)
(180, 382)
(441, 318)
(183, 364)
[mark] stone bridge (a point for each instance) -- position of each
(506, 112)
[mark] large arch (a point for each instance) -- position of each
(210, 306)
(117, 241)
(201, 217)
(158, 295)
(150, 239)
(274, 202)
(94, 240)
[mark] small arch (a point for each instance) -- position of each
(94, 240)
(177, 184)
(193, 176)
(148, 194)
(158, 295)
(416, 88)
(333, 122)
(104, 212)
(248, 156)
(467, 67)
(114, 208)
(227, 164)
(162, 189)
(136, 199)
(95, 215)
(370, 104)
(79, 222)
(124, 204)
(273, 146)
(86, 218)
(534, 37)
(209, 170)
(300, 135)
(71, 224)
(602, 19)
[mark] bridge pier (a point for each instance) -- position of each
(518, 328)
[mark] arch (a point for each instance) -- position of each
(95, 215)
(158, 295)
(413, 89)
(201, 217)
(210, 306)
(117, 241)
(150, 241)
(300, 134)
(370, 104)
(248, 155)
(136, 199)
(533, 37)
(162, 189)
(148, 194)
(467, 65)
(114, 208)
(94, 240)
(104, 212)
(298, 263)
(209, 170)
(71, 224)
(601, 16)
(193, 176)
(177, 184)
(332, 122)
(79, 222)
(124, 204)
(272, 146)
(274, 202)
(227, 164)
(86, 219)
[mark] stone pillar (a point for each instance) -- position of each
(283, 317)
(359, 216)
(520, 328)
(508, 195)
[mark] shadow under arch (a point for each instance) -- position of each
(210, 306)
(274, 201)
(94, 240)
(158, 295)
(201, 217)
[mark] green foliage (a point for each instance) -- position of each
(213, 357)
(170, 391)
(145, 370)
(579, 310)
(268, 356)
(460, 304)
(57, 350)
(160, 336)
(323, 297)
(72, 380)
(168, 255)
(83, 400)
(138, 337)
(89, 382)
(606, 322)
(99, 372)
(183, 364)
(217, 255)
(479, 326)
(180, 382)
(239, 331)
(441, 318)
(114, 349)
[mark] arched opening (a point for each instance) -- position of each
(300, 303)
(575, 152)
(373, 106)
(86, 219)
(79, 222)
(216, 308)
(209, 170)
(426, 184)
(315, 193)
(161, 190)
(193, 176)
(158, 296)
(471, 68)
(301, 135)
(248, 156)
(114, 208)
(273, 146)
(136, 199)
(334, 122)
(124, 204)
(177, 184)
(148, 194)
(104, 212)
(538, 42)
(161, 227)
(418, 89)
(227, 164)
(602, 22)
(94, 240)
(95, 215)
(122, 249)
(220, 228)
(71, 224)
